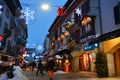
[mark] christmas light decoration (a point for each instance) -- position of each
(27, 14)
(78, 11)
(0, 9)
(60, 11)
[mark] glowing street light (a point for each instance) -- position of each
(60, 11)
(45, 6)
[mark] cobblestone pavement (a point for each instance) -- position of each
(60, 75)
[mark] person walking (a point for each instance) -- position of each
(50, 68)
(33, 65)
(40, 67)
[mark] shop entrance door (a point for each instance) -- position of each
(117, 61)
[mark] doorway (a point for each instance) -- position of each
(117, 62)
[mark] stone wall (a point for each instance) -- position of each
(111, 67)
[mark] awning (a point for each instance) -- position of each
(107, 36)
(64, 51)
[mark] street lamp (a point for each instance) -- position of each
(45, 6)
(60, 10)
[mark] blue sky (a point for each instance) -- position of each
(43, 19)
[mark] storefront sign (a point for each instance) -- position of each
(91, 47)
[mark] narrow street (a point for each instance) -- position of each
(60, 75)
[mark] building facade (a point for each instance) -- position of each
(92, 26)
(12, 28)
(46, 45)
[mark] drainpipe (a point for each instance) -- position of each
(100, 18)
(100, 25)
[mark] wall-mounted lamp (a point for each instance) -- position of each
(58, 38)
(66, 33)
(62, 36)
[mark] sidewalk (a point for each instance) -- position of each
(60, 75)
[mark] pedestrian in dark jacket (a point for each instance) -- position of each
(33, 65)
(40, 67)
(50, 68)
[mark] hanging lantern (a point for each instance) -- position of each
(58, 38)
(62, 36)
(66, 33)
(60, 11)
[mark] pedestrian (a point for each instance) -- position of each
(17, 61)
(40, 67)
(50, 67)
(33, 65)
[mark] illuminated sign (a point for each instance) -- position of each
(91, 47)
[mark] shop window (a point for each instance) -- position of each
(86, 7)
(117, 14)
(88, 27)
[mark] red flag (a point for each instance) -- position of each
(60, 11)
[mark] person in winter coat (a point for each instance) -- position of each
(50, 68)
(40, 67)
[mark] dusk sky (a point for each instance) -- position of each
(41, 21)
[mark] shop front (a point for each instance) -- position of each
(88, 57)
(63, 61)
(112, 50)
(83, 61)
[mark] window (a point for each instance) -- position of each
(0, 22)
(117, 13)
(7, 13)
(86, 7)
(6, 25)
(88, 27)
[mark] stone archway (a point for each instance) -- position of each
(112, 49)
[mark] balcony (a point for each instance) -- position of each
(72, 27)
